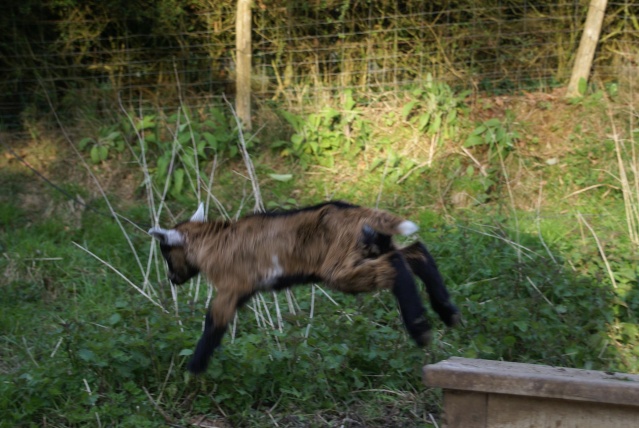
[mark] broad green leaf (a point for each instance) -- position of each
(479, 130)
(112, 136)
(146, 123)
(83, 142)
(95, 154)
(200, 147)
(184, 138)
(473, 140)
(408, 108)
(521, 325)
(178, 182)
(423, 122)
(162, 166)
(330, 113)
(210, 140)
(349, 102)
(492, 123)
(435, 124)
(115, 318)
(103, 152)
(86, 354)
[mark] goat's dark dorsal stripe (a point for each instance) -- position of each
(336, 204)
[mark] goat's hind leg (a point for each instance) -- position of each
(388, 271)
(410, 302)
(424, 266)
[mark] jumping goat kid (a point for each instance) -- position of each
(347, 247)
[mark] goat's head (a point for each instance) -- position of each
(172, 245)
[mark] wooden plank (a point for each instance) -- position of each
(465, 409)
(511, 411)
(533, 380)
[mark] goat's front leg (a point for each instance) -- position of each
(424, 266)
(218, 316)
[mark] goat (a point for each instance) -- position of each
(347, 247)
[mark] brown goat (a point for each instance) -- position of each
(347, 247)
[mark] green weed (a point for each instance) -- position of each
(319, 137)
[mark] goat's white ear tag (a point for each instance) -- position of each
(171, 237)
(200, 215)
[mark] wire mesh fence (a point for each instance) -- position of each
(93, 56)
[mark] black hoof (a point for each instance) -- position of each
(451, 316)
(424, 339)
(421, 333)
(197, 365)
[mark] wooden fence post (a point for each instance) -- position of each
(587, 46)
(243, 64)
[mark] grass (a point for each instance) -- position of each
(535, 242)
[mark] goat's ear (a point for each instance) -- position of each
(199, 215)
(170, 237)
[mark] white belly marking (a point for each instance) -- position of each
(273, 273)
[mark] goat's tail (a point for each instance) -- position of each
(389, 224)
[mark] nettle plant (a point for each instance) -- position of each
(183, 144)
(434, 108)
(174, 149)
(108, 140)
(318, 137)
(499, 136)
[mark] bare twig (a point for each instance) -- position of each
(432, 419)
(121, 275)
(26, 348)
(539, 291)
(259, 205)
(166, 417)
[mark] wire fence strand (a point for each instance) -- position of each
(303, 54)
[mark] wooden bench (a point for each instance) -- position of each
(497, 394)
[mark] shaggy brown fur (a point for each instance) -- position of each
(347, 247)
